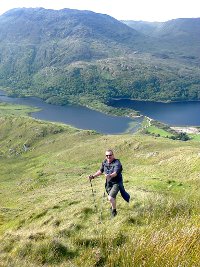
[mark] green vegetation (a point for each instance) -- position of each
(157, 129)
(10, 109)
(93, 103)
(180, 36)
(158, 132)
(71, 56)
(194, 136)
(47, 215)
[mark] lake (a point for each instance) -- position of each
(175, 113)
(77, 116)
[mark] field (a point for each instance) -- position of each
(10, 109)
(48, 215)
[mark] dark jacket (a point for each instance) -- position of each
(115, 166)
(109, 168)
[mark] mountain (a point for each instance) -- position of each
(176, 28)
(88, 58)
(78, 35)
(144, 27)
(181, 36)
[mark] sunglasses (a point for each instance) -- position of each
(109, 155)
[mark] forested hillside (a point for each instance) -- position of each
(84, 57)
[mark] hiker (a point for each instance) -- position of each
(112, 169)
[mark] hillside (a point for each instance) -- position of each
(47, 211)
(145, 27)
(176, 28)
(180, 37)
(83, 57)
(79, 35)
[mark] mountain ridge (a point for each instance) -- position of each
(70, 20)
(182, 34)
(67, 55)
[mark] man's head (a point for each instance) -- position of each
(109, 155)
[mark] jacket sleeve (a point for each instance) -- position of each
(102, 167)
(117, 167)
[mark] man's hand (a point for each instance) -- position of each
(91, 177)
(108, 177)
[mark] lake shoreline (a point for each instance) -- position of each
(154, 101)
(77, 116)
(187, 130)
(174, 114)
(130, 115)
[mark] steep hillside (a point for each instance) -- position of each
(144, 27)
(84, 57)
(183, 35)
(52, 37)
(179, 37)
(47, 209)
(189, 28)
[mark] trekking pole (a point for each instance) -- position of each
(103, 197)
(93, 196)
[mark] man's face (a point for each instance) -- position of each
(109, 156)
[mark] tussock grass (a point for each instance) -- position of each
(47, 212)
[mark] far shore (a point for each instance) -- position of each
(188, 130)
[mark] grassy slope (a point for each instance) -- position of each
(47, 211)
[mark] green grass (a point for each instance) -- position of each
(93, 103)
(11, 109)
(157, 131)
(47, 214)
(195, 137)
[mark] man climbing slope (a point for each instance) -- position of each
(112, 169)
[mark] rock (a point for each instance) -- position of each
(152, 154)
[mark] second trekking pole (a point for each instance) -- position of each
(93, 195)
